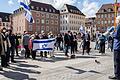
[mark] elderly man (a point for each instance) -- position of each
(116, 51)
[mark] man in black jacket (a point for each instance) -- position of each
(11, 50)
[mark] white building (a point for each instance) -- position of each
(71, 18)
(5, 20)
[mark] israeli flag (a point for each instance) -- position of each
(25, 5)
(44, 44)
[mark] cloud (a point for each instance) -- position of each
(58, 3)
(10, 2)
(90, 8)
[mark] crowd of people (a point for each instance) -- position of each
(67, 42)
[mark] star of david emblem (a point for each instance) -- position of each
(44, 45)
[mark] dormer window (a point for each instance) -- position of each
(41, 9)
(53, 10)
(37, 8)
(45, 9)
(32, 7)
(49, 10)
(110, 9)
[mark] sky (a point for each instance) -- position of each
(88, 7)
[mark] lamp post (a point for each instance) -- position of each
(115, 6)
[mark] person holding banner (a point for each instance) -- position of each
(26, 39)
(43, 36)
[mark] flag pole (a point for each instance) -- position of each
(115, 15)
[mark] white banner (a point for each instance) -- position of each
(44, 44)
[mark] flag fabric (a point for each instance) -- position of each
(44, 44)
(25, 5)
(81, 29)
(109, 30)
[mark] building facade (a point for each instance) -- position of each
(5, 20)
(71, 18)
(46, 18)
(105, 17)
(90, 25)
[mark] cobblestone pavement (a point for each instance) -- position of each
(83, 67)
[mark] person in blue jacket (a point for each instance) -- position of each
(116, 48)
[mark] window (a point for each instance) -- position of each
(109, 22)
(42, 21)
(63, 28)
(3, 24)
(41, 9)
(52, 16)
(7, 24)
(43, 15)
(105, 22)
(37, 21)
(49, 10)
(19, 28)
(56, 17)
(102, 22)
(45, 9)
(32, 7)
(37, 8)
(66, 22)
(112, 15)
(52, 22)
(30, 27)
(47, 15)
(53, 10)
(66, 27)
(42, 28)
(102, 16)
(105, 15)
(38, 14)
(37, 28)
(56, 22)
(47, 21)
(108, 15)
(47, 28)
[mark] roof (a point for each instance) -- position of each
(5, 16)
(106, 7)
(74, 10)
(44, 6)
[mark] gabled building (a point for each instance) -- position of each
(5, 20)
(46, 19)
(71, 18)
(105, 17)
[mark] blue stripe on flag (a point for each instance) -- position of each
(35, 41)
(25, 6)
(29, 17)
(45, 49)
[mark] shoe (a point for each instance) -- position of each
(13, 61)
(1, 69)
(112, 77)
(18, 55)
